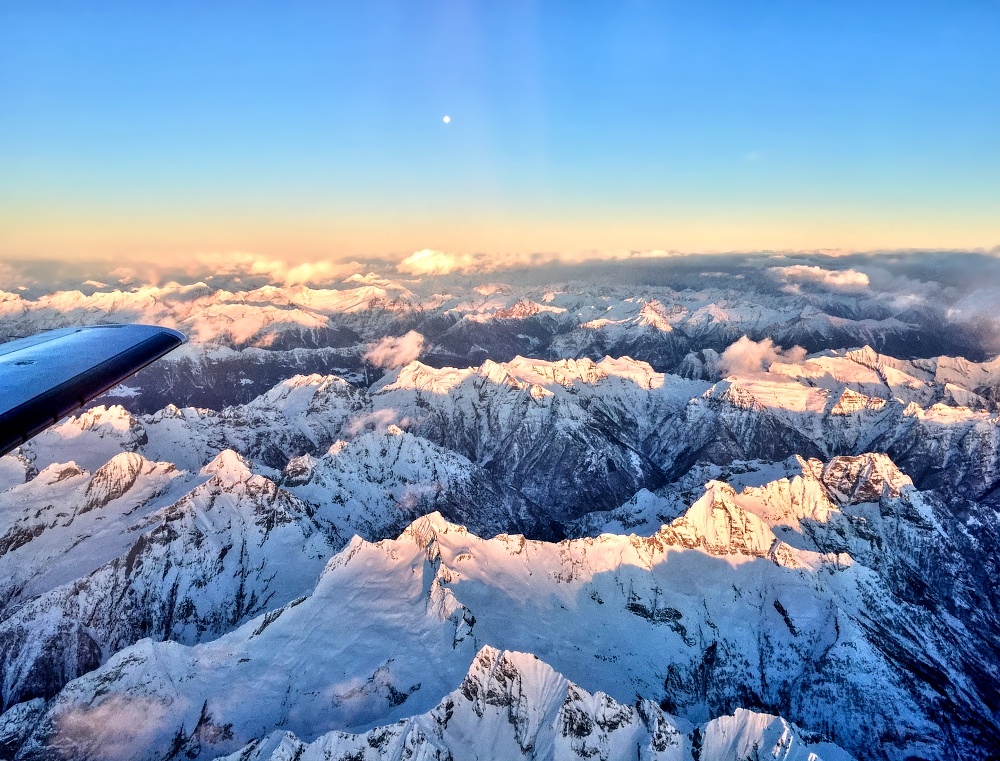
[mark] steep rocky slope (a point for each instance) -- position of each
(232, 547)
(824, 622)
(772, 552)
(511, 705)
(574, 435)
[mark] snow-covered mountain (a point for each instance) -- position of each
(247, 334)
(715, 515)
(575, 435)
(511, 705)
(822, 567)
(381, 481)
(112, 571)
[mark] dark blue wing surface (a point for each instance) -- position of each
(45, 377)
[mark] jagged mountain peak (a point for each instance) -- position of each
(170, 411)
(525, 373)
(730, 391)
(114, 417)
(714, 525)
(520, 309)
(865, 477)
(655, 315)
(427, 528)
(420, 377)
(113, 479)
(499, 373)
(798, 501)
(719, 525)
(311, 384)
(299, 470)
(569, 373)
(850, 402)
(634, 318)
(752, 735)
(866, 356)
(514, 705)
(785, 494)
(285, 387)
(788, 495)
(524, 307)
(488, 660)
(229, 468)
(564, 372)
(58, 472)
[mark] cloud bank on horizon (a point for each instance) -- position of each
(833, 271)
(237, 264)
(961, 287)
(845, 281)
(433, 262)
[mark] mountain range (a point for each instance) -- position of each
(390, 519)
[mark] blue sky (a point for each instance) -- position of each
(315, 129)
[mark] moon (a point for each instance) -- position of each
(447, 120)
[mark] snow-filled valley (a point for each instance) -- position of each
(709, 515)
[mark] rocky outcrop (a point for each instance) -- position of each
(233, 547)
(815, 538)
(843, 607)
(511, 705)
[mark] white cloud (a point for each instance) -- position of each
(116, 727)
(379, 420)
(396, 351)
(238, 265)
(9, 276)
(427, 261)
(277, 271)
(415, 496)
(845, 281)
(747, 357)
(139, 273)
(431, 262)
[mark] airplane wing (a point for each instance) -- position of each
(45, 377)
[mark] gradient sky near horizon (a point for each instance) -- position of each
(308, 130)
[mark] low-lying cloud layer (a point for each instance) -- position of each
(379, 420)
(939, 289)
(432, 262)
(746, 357)
(845, 281)
(240, 264)
(396, 351)
(115, 727)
